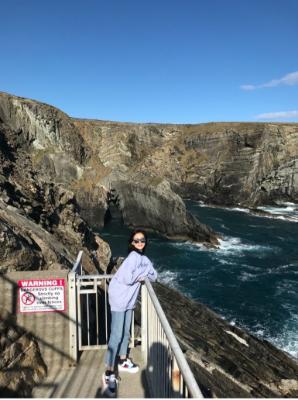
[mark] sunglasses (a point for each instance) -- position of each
(139, 241)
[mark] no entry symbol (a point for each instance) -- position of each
(28, 298)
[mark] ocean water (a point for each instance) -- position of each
(251, 280)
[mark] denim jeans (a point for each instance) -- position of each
(119, 337)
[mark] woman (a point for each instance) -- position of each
(123, 292)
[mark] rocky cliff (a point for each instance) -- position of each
(67, 152)
(55, 169)
(247, 164)
(220, 163)
(40, 224)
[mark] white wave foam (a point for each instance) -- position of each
(251, 267)
(232, 245)
(168, 278)
(288, 339)
(245, 210)
(287, 287)
(278, 210)
(287, 213)
(285, 203)
(200, 203)
(246, 276)
(225, 262)
(283, 268)
(289, 218)
(188, 245)
(227, 246)
(224, 227)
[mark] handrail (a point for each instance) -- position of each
(180, 358)
(95, 276)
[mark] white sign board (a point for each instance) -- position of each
(41, 295)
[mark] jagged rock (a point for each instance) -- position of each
(153, 205)
(93, 203)
(21, 363)
(26, 245)
(226, 360)
(40, 224)
(57, 156)
(41, 127)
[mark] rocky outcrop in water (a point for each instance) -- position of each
(153, 205)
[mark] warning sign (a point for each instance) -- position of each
(40, 295)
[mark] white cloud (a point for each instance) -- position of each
(288, 80)
(248, 87)
(278, 115)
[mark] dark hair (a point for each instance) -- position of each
(131, 247)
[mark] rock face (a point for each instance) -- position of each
(43, 127)
(40, 224)
(247, 164)
(227, 361)
(22, 366)
(220, 163)
(82, 158)
(155, 206)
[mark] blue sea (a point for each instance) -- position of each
(251, 280)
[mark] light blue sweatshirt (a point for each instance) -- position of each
(125, 284)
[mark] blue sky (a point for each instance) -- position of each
(187, 61)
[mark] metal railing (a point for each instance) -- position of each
(167, 370)
(89, 310)
(93, 312)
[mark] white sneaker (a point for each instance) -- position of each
(109, 385)
(128, 366)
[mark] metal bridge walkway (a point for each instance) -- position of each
(85, 380)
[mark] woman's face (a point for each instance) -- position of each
(139, 241)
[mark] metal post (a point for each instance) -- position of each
(73, 339)
(132, 338)
(144, 322)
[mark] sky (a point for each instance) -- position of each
(163, 61)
